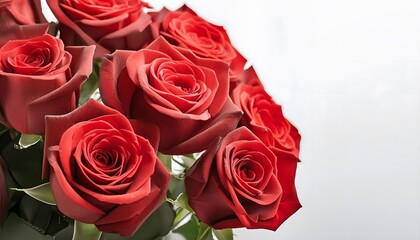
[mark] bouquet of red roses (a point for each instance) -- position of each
(123, 122)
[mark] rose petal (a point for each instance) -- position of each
(220, 125)
(126, 219)
(56, 125)
(14, 32)
(69, 201)
(132, 37)
(203, 188)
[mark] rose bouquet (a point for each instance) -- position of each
(124, 122)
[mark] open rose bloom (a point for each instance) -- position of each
(135, 123)
(110, 25)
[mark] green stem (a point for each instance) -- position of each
(203, 231)
(183, 214)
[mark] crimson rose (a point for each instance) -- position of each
(185, 28)
(108, 24)
(239, 182)
(265, 118)
(186, 96)
(39, 77)
(102, 173)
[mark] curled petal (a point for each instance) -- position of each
(262, 196)
(101, 172)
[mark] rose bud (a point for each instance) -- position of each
(265, 118)
(108, 24)
(245, 182)
(184, 95)
(38, 76)
(185, 28)
(101, 172)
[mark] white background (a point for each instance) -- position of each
(347, 73)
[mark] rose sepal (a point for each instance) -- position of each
(41, 193)
(83, 231)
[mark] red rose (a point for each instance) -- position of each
(21, 12)
(248, 77)
(246, 184)
(4, 201)
(186, 29)
(39, 77)
(102, 173)
(265, 118)
(186, 96)
(110, 25)
(19, 20)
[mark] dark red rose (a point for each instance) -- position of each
(108, 24)
(186, 96)
(21, 19)
(102, 173)
(185, 28)
(39, 77)
(245, 182)
(3, 192)
(265, 118)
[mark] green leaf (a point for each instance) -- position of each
(190, 229)
(91, 84)
(176, 187)
(166, 160)
(24, 165)
(2, 129)
(188, 161)
(204, 231)
(195, 230)
(27, 140)
(180, 217)
(41, 193)
(182, 201)
(42, 217)
(155, 227)
(16, 228)
(83, 231)
(224, 234)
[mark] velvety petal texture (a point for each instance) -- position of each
(265, 118)
(248, 77)
(39, 76)
(18, 32)
(185, 28)
(21, 19)
(101, 172)
(21, 12)
(247, 184)
(108, 24)
(184, 95)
